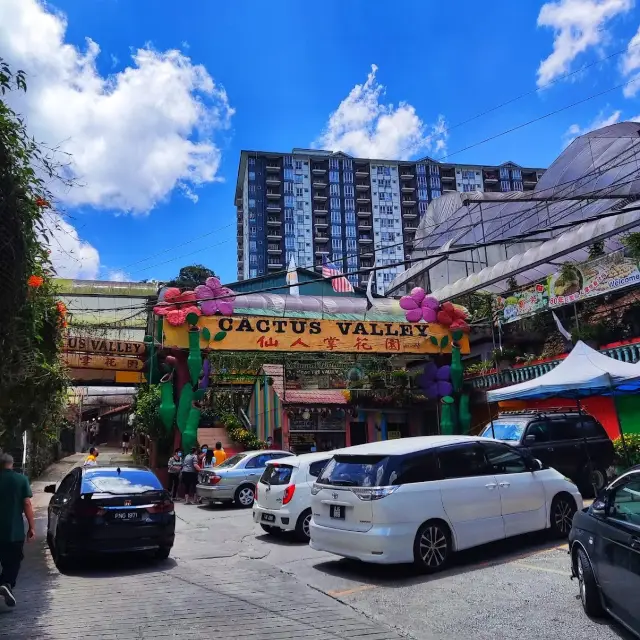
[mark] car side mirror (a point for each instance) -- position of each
(530, 439)
(535, 465)
(50, 488)
(599, 506)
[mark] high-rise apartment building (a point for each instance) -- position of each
(358, 213)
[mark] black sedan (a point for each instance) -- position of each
(109, 509)
(605, 552)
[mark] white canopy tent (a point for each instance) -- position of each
(584, 372)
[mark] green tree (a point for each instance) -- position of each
(32, 378)
(191, 276)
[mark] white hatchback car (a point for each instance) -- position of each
(283, 493)
(421, 499)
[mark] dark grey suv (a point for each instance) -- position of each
(573, 443)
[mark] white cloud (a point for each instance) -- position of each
(70, 256)
(578, 25)
(631, 66)
(365, 127)
(133, 136)
(118, 275)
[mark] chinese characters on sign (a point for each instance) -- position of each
(95, 361)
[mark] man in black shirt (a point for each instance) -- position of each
(126, 438)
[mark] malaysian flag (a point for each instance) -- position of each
(329, 270)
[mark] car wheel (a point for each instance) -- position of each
(589, 592)
(62, 560)
(303, 532)
(563, 509)
(245, 495)
(163, 553)
(432, 546)
(267, 528)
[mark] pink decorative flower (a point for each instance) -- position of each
(214, 298)
(175, 306)
(419, 306)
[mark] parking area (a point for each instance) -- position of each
(515, 589)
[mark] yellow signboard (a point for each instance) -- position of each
(92, 361)
(259, 333)
(101, 345)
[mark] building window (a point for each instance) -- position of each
(288, 161)
(289, 201)
(352, 244)
(288, 187)
(349, 204)
(300, 219)
(334, 163)
(516, 174)
(421, 169)
(252, 175)
(299, 192)
(299, 178)
(289, 228)
(348, 191)
(422, 208)
(505, 185)
(504, 173)
(252, 202)
(288, 215)
(347, 177)
(290, 242)
(288, 174)
(350, 231)
(435, 193)
(334, 176)
(253, 259)
(336, 230)
(335, 203)
(334, 189)
(336, 217)
(336, 244)
(422, 181)
(517, 185)
(347, 164)
(350, 217)
(435, 182)
(252, 162)
(298, 165)
(252, 245)
(422, 194)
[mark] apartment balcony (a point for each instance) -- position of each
(274, 249)
(274, 195)
(274, 264)
(409, 215)
(273, 168)
(273, 180)
(530, 181)
(365, 225)
(321, 237)
(364, 212)
(365, 239)
(406, 174)
(407, 188)
(446, 178)
(491, 178)
(366, 264)
(411, 226)
(322, 251)
(321, 224)
(409, 200)
(320, 211)
(363, 186)
(319, 184)
(273, 221)
(363, 197)
(318, 171)
(274, 234)
(366, 254)
(274, 206)
(320, 197)
(362, 172)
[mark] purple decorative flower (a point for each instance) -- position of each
(435, 381)
(419, 306)
(214, 298)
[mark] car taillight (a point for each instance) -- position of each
(288, 494)
(373, 493)
(214, 479)
(87, 510)
(166, 506)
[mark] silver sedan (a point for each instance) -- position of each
(236, 478)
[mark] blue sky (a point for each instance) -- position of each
(155, 99)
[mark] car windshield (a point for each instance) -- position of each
(276, 474)
(123, 481)
(502, 429)
(356, 471)
(232, 461)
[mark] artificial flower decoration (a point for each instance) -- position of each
(419, 306)
(214, 298)
(435, 381)
(175, 306)
(41, 202)
(35, 281)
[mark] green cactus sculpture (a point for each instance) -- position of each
(447, 416)
(190, 433)
(457, 372)
(194, 360)
(167, 408)
(464, 414)
(184, 407)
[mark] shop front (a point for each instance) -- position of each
(316, 429)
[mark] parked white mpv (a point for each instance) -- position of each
(421, 499)
(283, 498)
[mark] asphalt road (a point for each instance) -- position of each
(513, 590)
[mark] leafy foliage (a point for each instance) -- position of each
(238, 433)
(596, 250)
(631, 243)
(32, 379)
(632, 442)
(192, 276)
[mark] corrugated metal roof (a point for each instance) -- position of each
(372, 315)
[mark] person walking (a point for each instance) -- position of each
(175, 468)
(15, 499)
(219, 454)
(190, 468)
(126, 439)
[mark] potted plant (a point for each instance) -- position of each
(400, 378)
(376, 381)
(504, 357)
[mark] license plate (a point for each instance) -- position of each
(336, 511)
(268, 517)
(126, 515)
